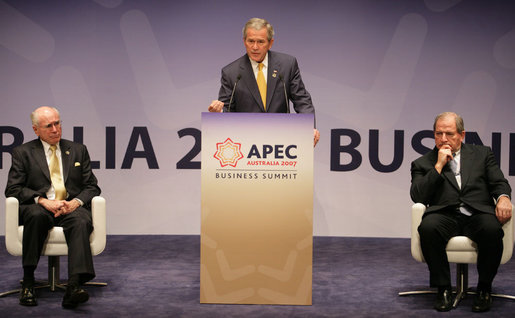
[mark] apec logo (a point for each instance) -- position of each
(229, 153)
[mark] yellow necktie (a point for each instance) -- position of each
(261, 84)
(55, 176)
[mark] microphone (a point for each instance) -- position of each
(232, 93)
(285, 95)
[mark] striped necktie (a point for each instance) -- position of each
(55, 175)
(453, 164)
(455, 167)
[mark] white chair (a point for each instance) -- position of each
(460, 250)
(55, 244)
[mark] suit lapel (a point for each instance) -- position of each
(272, 78)
(466, 161)
(447, 172)
(65, 157)
(247, 77)
(38, 153)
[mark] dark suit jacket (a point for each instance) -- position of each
(246, 96)
(481, 181)
(29, 175)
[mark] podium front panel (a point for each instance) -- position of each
(257, 208)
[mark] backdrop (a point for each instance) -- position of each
(131, 79)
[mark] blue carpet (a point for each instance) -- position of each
(158, 276)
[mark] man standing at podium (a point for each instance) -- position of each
(262, 80)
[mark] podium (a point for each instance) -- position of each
(256, 208)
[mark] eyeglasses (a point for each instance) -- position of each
(55, 124)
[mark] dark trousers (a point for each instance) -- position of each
(77, 226)
(437, 228)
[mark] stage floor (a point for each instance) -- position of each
(158, 276)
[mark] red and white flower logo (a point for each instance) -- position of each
(228, 153)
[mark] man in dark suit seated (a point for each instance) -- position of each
(466, 194)
(262, 80)
(52, 179)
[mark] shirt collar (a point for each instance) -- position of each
(46, 146)
(255, 64)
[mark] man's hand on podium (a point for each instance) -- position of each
(216, 106)
(316, 136)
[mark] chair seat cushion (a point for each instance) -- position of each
(461, 244)
(461, 249)
(55, 235)
(55, 244)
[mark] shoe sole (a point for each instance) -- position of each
(80, 298)
(75, 300)
(480, 310)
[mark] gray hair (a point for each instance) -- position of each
(34, 116)
(258, 24)
(460, 126)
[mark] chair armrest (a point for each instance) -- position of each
(13, 242)
(508, 239)
(417, 210)
(98, 215)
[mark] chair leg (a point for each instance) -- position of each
(462, 281)
(10, 292)
(461, 285)
(98, 284)
(53, 282)
(54, 268)
(54, 279)
(504, 296)
(416, 292)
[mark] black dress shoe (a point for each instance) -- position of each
(28, 296)
(482, 301)
(443, 300)
(73, 296)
